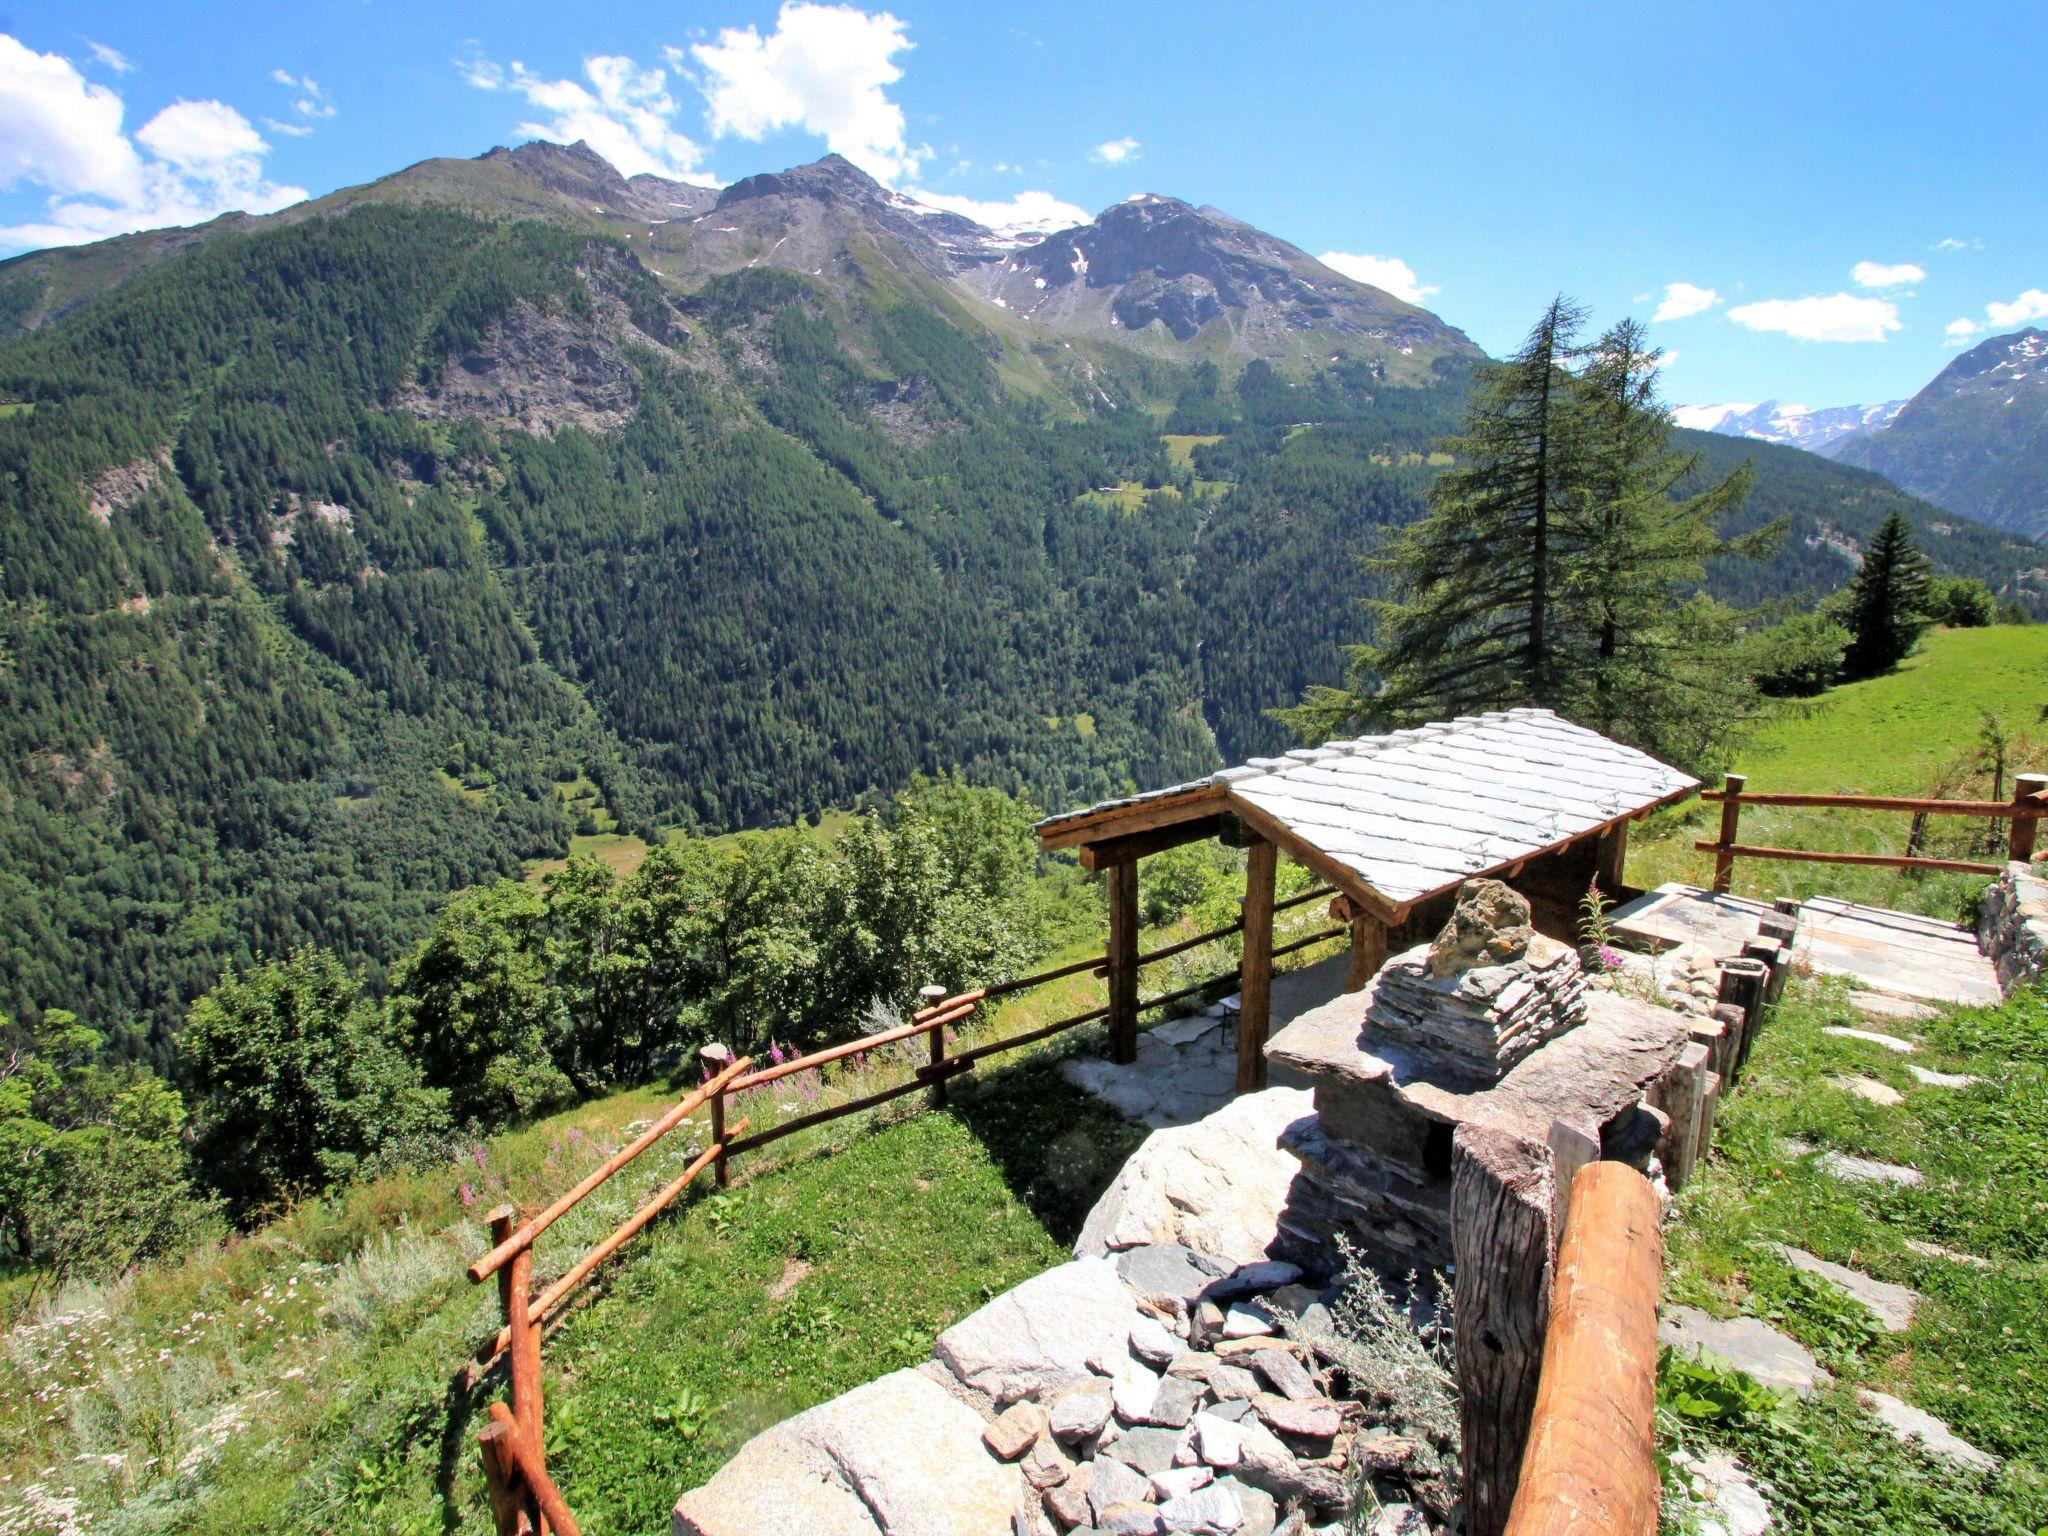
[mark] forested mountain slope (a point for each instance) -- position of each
(349, 556)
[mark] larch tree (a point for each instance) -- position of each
(1886, 608)
(1644, 661)
(1471, 622)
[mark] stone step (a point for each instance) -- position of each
(1753, 1347)
(1910, 1426)
(1892, 1305)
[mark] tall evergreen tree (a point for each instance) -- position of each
(1641, 664)
(1886, 608)
(1473, 620)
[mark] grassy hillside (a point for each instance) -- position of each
(1916, 731)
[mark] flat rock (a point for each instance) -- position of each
(1175, 1481)
(1079, 1412)
(1285, 1374)
(1315, 1418)
(1865, 1170)
(1068, 1502)
(1892, 1305)
(1936, 1251)
(1181, 1032)
(1233, 1383)
(1153, 1342)
(1244, 1323)
(1755, 1348)
(1929, 1078)
(1146, 1449)
(1718, 1481)
(1251, 1279)
(1912, 1425)
(1878, 1006)
(1015, 1431)
(1174, 1403)
(1210, 1511)
(1114, 1483)
(1872, 1037)
(1217, 1186)
(1134, 1385)
(1045, 1465)
(900, 1455)
(1870, 1088)
(1166, 1269)
(1218, 1441)
(1052, 1328)
(1398, 1520)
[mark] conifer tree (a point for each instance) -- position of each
(1472, 621)
(1886, 608)
(1640, 663)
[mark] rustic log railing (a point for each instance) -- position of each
(2029, 803)
(524, 1498)
(1590, 1464)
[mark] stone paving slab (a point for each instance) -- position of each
(1890, 1043)
(1857, 1170)
(1928, 1077)
(1898, 954)
(1753, 1347)
(1895, 1009)
(1676, 914)
(1911, 1425)
(1892, 1305)
(1871, 1089)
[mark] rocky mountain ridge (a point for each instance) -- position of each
(1975, 440)
(1825, 430)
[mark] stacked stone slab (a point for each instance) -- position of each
(1487, 1024)
(2012, 926)
(1480, 1021)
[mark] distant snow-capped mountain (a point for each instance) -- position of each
(1824, 430)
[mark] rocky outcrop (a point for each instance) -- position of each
(1217, 1186)
(900, 1456)
(2012, 926)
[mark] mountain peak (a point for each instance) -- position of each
(830, 178)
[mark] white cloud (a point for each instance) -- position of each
(200, 136)
(1116, 151)
(1878, 274)
(1705, 418)
(110, 58)
(1038, 212)
(1960, 331)
(1684, 299)
(1831, 317)
(623, 111)
(311, 102)
(190, 162)
(1386, 272)
(824, 69)
(2029, 306)
(1951, 243)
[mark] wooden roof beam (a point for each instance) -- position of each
(1139, 816)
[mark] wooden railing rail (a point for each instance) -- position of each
(1589, 1466)
(2023, 812)
(524, 1500)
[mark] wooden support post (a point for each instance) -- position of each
(1776, 959)
(1255, 981)
(523, 1354)
(500, 1478)
(1368, 951)
(1590, 1464)
(1502, 1237)
(1611, 860)
(2027, 789)
(1734, 1041)
(1717, 1036)
(1677, 1094)
(931, 996)
(1710, 1104)
(1745, 983)
(1731, 823)
(1121, 962)
(718, 1058)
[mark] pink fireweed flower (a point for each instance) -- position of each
(467, 1194)
(776, 1054)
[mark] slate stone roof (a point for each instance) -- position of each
(1415, 812)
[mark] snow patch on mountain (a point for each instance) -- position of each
(1821, 429)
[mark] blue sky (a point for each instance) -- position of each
(1832, 189)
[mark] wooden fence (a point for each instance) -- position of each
(524, 1499)
(2028, 805)
(1589, 1467)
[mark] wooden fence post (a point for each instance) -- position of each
(1731, 823)
(1503, 1205)
(931, 996)
(1590, 1464)
(719, 1057)
(1122, 962)
(1744, 985)
(2027, 789)
(1255, 979)
(524, 1355)
(1368, 949)
(1677, 1094)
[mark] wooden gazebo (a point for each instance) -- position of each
(1395, 823)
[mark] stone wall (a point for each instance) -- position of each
(2012, 927)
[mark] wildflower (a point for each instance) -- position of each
(776, 1054)
(480, 1157)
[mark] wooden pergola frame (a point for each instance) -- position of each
(1112, 839)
